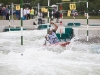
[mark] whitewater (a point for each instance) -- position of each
(32, 58)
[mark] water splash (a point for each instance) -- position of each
(77, 58)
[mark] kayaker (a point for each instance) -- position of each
(51, 37)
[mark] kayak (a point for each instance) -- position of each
(63, 44)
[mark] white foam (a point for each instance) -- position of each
(75, 59)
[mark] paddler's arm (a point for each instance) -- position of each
(46, 37)
(56, 27)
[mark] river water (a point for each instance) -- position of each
(32, 58)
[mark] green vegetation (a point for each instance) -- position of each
(94, 6)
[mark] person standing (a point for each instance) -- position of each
(25, 14)
(4, 13)
(28, 13)
(32, 13)
(57, 16)
(17, 14)
(0, 11)
(40, 16)
(7, 13)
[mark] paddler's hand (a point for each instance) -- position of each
(56, 26)
(51, 22)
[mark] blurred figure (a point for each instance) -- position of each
(40, 16)
(17, 14)
(74, 13)
(57, 16)
(25, 14)
(28, 13)
(0, 11)
(7, 13)
(4, 13)
(32, 13)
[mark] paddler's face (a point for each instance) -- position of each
(50, 32)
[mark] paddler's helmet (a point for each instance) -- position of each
(50, 30)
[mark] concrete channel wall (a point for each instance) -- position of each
(82, 31)
(28, 24)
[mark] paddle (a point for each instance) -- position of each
(45, 42)
(48, 28)
(74, 20)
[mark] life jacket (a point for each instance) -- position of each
(53, 38)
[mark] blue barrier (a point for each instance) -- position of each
(74, 24)
(43, 26)
(13, 29)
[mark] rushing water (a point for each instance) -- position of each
(32, 58)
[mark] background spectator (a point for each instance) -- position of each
(25, 14)
(4, 13)
(32, 13)
(0, 11)
(7, 13)
(40, 16)
(28, 13)
(57, 16)
(17, 14)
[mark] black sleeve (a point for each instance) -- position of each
(54, 31)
